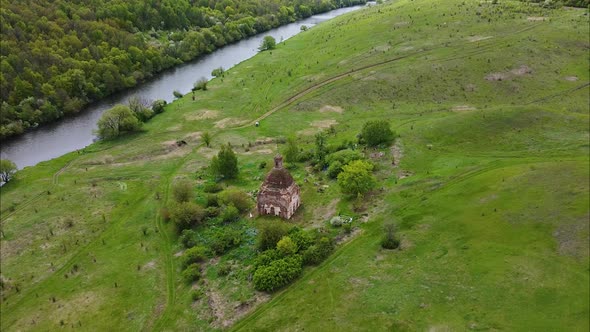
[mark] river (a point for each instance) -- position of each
(76, 132)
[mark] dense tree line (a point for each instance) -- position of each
(56, 56)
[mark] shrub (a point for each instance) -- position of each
(277, 274)
(230, 213)
(286, 246)
(218, 72)
(266, 257)
(201, 84)
(186, 214)
(196, 294)
(334, 169)
(301, 238)
(212, 212)
(141, 108)
(182, 191)
(269, 233)
(344, 156)
(262, 165)
(196, 254)
(187, 238)
(177, 94)
(212, 188)
(223, 269)
(317, 252)
(376, 132)
(158, 106)
(192, 273)
(291, 152)
(356, 178)
(225, 240)
(241, 200)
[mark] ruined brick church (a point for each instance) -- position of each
(279, 194)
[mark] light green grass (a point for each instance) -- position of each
(493, 215)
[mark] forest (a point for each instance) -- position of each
(58, 56)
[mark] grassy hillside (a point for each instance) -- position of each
(489, 185)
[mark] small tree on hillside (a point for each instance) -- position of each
(225, 164)
(376, 132)
(116, 121)
(268, 43)
(7, 170)
(141, 108)
(356, 178)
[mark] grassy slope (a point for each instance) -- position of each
(494, 217)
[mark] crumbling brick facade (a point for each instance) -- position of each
(279, 194)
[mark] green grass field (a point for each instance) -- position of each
(490, 190)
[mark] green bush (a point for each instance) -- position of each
(212, 200)
(186, 215)
(223, 269)
(117, 121)
(286, 246)
(225, 239)
(187, 238)
(356, 178)
(218, 72)
(177, 94)
(212, 211)
(268, 43)
(390, 240)
(241, 200)
(225, 164)
(376, 132)
(183, 191)
(212, 188)
(266, 257)
(277, 274)
(201, 84)
(317, 252)
(302, 238)
(158, 106)
(196, 254)
(230, 213)
(334, 169)
(269, 233)
(192, 273)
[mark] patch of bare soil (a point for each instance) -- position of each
(324, 123)
(473, 39)
(329, 108)
(229, 122)
(404, 174)
(149, 265)
(193, 137)
(496, 77)
(258, 151)
(573, 239)
(502, 76)
(536, 18)
(522, 70)
(347, 237)
(463, 108)
(470, 87)
(401, 24)
(571, 78)
(264, 140)
(201, 115)
(178, 254)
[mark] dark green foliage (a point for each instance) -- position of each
(334, 169)
(223, 269)
(226, 239)
(58, 56)
(266, 257)
(212, 200)
(218, 72)
(225, 164)
(302, 238)
(286, 246)
(177, 94)
(277, 274)
(269, 233)
(268, 43)
(186, 215)
(229, 213)
(242, 201)
(212, 211)
(192, 273)
(117, 121)
(317, 252)
(206, 137)
(376, 132)
(390, 240)
(212, 187)
(187, 238)
(183, 191)
(158, 106)
(7, 170)
(194, 255)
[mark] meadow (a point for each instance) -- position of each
(487, 184)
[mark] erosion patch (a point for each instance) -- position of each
(201, 115)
